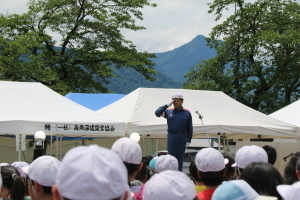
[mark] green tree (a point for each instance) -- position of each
(70, 45)
(257, 61)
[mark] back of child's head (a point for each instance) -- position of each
(229, 170)
(128, 150)
(91, 172)
(142, 174)
(263, 178)
(146, 159)
(290, 175)
(12, 181)
(169, 185)
(166, 162)
(130, 153)
(272, 154)
(150, 172)
(210, 164)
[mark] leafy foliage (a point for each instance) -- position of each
(258, 61)
(88, 33)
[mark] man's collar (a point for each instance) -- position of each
(180, 108)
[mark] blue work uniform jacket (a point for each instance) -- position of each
(179, 120)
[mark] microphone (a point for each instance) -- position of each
(200, 116)
(284, 158)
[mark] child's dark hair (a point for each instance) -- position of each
(150, 172)
(212, 178)
(142, 174)
(272, 154)
(146, 159)
(131, 168)
(193, 172)
(290, 175)
(13, 182)
(263, 178)
(229, 170)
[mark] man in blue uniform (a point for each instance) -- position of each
(180, 127)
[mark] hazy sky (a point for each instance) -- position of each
(168, 26)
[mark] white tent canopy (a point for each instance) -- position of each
(289, 114)
(30, 107)
(221, 113)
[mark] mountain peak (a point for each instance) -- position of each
(177, 63)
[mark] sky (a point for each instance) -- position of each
(171, 24)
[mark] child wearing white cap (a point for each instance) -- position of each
(130, 153)
(90, 173)
(12, 184)
(211, 169)
(169, 185)
(248, 154)
(19, 165)
(41, 177)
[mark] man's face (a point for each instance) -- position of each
(177, 103)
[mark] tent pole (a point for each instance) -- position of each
(60, 148)
(225, 150)
(157, 144)
(56, 147)
(298, 142)
(19, 155)
(143, 145)
(219, 141)
(50, 146)
(148, 147)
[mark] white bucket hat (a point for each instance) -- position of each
(92, 172)
(169, 185)
(166, 162)
(210, 160)
(128, 150)
(43, 170)
(249, 154)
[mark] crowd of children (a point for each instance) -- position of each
(121, 173)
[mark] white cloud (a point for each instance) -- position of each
(13, 6)
(169, 25)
